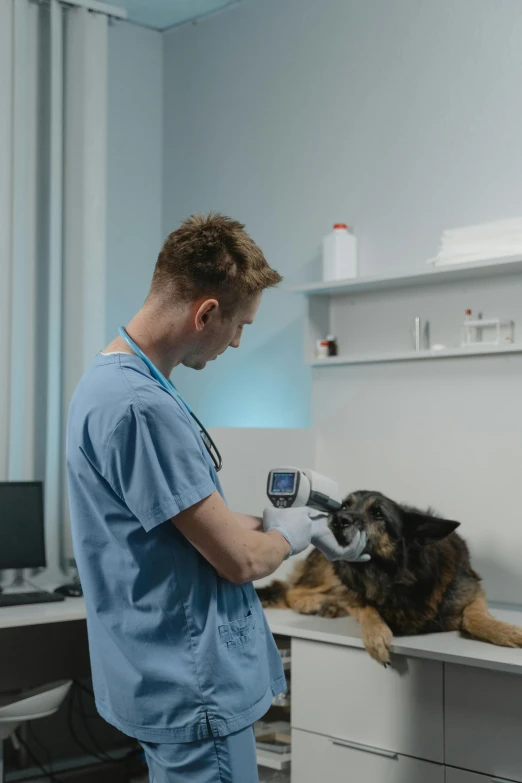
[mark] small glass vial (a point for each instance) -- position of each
(467, 330)
(417, 333)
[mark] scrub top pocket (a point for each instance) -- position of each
(238, 633)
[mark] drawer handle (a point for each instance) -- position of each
(389, 754)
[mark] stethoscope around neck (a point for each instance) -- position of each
(169, 386)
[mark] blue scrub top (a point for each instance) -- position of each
(177, 652)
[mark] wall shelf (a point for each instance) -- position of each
(493, 267)
(407, 356)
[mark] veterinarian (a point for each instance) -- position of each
(182, 656)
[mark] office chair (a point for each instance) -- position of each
(28, 705)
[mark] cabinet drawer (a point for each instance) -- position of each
(483, 716)
(342, 692)
(461, 776)
(316, 758)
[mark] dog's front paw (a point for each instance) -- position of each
(377, 639)
(509, 636)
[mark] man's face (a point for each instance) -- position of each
(218, 333)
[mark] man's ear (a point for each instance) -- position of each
(425, 529)
(204, 310)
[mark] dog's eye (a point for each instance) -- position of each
(376, 512)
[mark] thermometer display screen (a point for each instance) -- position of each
(283, 483)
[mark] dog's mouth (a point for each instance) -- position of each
(345, 528)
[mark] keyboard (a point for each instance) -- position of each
(36, 597)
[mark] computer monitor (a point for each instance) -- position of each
(22, 540)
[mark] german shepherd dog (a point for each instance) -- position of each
(419, 579)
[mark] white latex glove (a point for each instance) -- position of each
(324, 540)
(294, 524)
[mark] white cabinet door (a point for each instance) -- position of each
(342, 692)
(317, 759)
(483, 721)
(461, 776)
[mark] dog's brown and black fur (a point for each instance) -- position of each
(419, 578)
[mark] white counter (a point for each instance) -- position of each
(39, 614)
(450, 647)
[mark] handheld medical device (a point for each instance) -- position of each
(295, 487)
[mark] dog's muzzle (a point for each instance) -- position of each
(343, 526)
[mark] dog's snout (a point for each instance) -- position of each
(344, 520)
(344, 524)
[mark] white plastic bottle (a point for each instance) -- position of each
(339, 254)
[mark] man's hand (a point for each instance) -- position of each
(295, 524)
(227, 540)
(324, 540)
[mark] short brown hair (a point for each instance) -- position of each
(212, 255)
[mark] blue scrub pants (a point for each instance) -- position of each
(230, 759)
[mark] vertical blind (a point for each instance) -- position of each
(53, 171)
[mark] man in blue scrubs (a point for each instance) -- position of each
(182, 657)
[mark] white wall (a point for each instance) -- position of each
(403, 119)
(134, 168)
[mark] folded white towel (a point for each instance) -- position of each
(481, 247)
(497, 239)
(469, 258)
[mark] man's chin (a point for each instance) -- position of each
(194, 365)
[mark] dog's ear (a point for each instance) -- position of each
(426, 529)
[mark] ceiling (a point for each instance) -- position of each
(162, 14)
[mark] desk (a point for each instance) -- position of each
(448, 647)
(38, 614)
(42, 643)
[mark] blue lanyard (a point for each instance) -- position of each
(165, 382)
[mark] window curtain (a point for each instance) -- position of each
(53, 161)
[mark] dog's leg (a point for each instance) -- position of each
(479, 624)
(273, 596)
(377, 636)
(314, 600)
(309, 589)
(313, 588)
